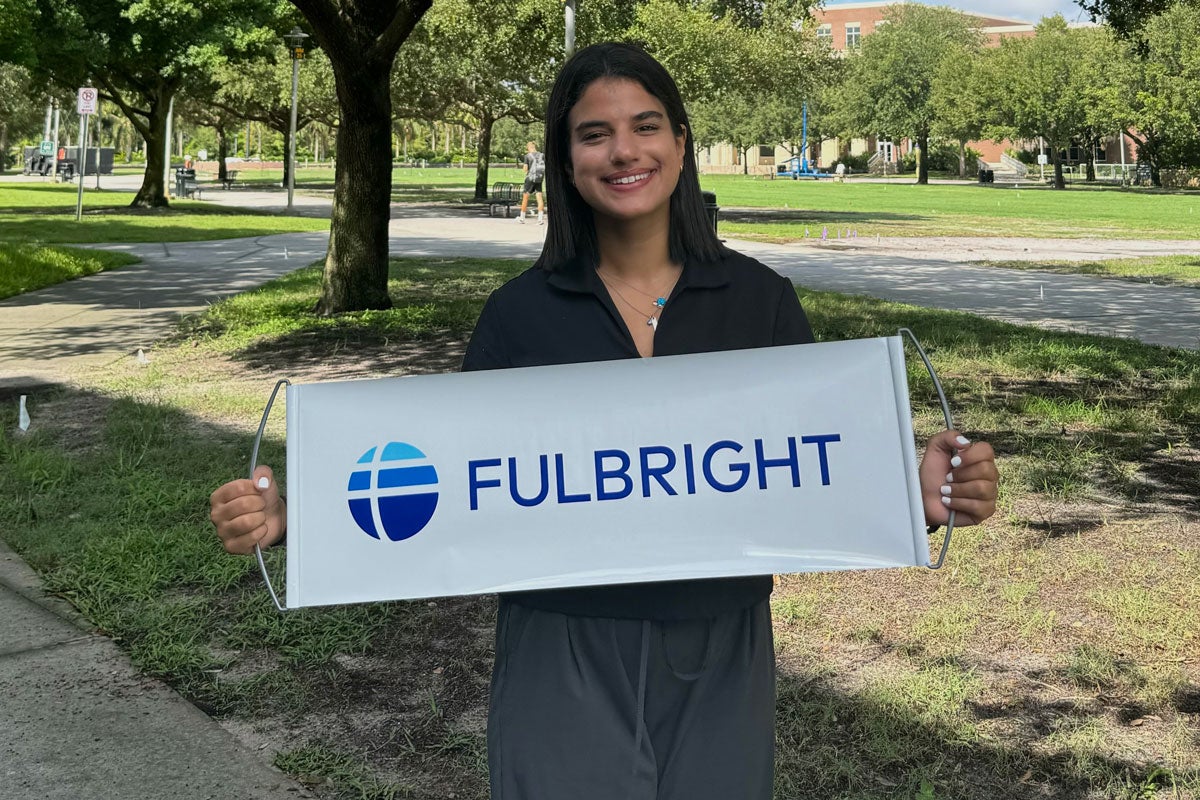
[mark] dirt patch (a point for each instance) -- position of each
(311, 357)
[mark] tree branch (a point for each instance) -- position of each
(114, 95)
(327, 26)
(408, 14)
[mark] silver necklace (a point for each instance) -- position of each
(659, 301)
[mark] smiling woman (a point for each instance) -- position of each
(662, 690)
(658, 690)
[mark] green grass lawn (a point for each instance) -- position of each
(1162, 270)
(45, 214)
(896, 208)
(785, 210)
(24, 268)
(1053, 656)
(904, 209)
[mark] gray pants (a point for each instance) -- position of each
(586, 708)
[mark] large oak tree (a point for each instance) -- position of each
(361, 39)
(139, 54)
(1127, 17)
(892, 78)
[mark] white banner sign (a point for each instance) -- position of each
(87, 101)
(752, 462)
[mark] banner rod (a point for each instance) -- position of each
(937, 385)
(262, 425)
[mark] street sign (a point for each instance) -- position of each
(46, 148)
(88, 100)
(1043, 159)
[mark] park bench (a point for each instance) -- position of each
(230, 177)
(503, 194)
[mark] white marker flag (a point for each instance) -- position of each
(751, 462)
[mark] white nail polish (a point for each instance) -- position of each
(962, 440)
(946, 500)
(263, 482)
(949, 477)
(946, 490)
(956, 461)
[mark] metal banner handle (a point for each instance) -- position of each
(949, 426)
(262, 425)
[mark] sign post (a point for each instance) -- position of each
(86, 105)
(295, 41)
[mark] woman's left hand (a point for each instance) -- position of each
(958, 475)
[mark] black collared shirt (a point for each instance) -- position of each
(568, 317)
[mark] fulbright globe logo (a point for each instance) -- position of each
(393, 491)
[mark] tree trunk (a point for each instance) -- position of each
(356, 266)
(287, 162)
(746, 160)
(962, 159)
(922, 159)
(1147, 150)
(483, 155)
(1091, 159)
(3, 147)
(153, 192)
(1056, 156)
(222, 153)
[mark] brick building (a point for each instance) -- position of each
(843, 26)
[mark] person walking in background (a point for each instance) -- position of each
(535, 170)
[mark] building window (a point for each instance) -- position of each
(825, 33)
(853, 34)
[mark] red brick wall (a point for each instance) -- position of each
(868, 15)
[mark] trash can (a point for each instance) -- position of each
(710, 206)
(182, 177)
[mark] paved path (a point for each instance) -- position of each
(1152, 314)
(98, 319)
(80, 722)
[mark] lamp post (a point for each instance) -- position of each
(295, 42)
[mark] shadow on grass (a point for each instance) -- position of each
(832, 744)
(180, 209)
(340, 353)
(1133, 435)
(770, 215)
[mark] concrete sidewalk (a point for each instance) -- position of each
(82, 723)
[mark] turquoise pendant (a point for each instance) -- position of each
(660, 302)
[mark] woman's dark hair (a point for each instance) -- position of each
(571, 229)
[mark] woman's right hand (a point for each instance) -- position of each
(246, 515)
